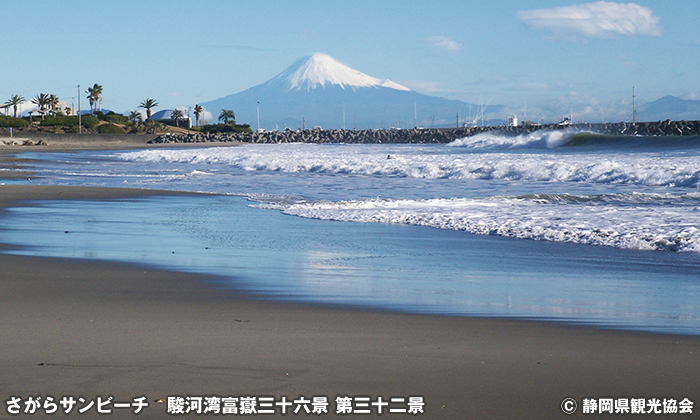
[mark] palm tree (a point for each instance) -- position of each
(147, 104)
(226, 116)
(98, 99)
(91, 98)
(15, 101)
(53, 104)
(198, 110)
(42, 101)
(135, 117)
(94, 95)
(177, 115)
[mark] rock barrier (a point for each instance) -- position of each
(432, 135)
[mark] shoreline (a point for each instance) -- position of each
(11, 166)
(77, 327)
(49, 142)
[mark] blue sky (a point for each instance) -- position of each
(554, 56)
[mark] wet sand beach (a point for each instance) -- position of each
(90, 328)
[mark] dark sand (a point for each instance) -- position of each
(72, 327)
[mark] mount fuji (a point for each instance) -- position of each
(320, 91)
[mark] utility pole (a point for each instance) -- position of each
(634, 107)
(257, 111)
(80, 120)
(415, 112)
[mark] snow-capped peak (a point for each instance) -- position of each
(321, 69)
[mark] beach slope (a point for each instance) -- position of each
(89, 328)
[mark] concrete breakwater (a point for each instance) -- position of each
(432, 135)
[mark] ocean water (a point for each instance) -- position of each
(565, 226)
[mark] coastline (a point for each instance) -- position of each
(49, 142)
(11, 166)
(76, 327)
(679, 130)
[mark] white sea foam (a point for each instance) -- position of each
(625, 169)
(632, 221)
(645, 200)
(494, 140)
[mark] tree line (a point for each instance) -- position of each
(48, 105)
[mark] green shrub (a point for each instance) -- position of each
(225, 128)
(7, 121)
(63, 121)
(88, 121)
(152, 126)
(116, 118)
(109, 129)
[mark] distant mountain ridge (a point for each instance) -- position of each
(670, 108)
(320, 91)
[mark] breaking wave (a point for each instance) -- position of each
(495, 140)
(548, 139)
(649, 169)
(632, 221)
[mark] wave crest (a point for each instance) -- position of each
(650, 169)
(572, 138)
(644, 221)
(540, 139)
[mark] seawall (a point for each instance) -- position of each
(433, 135)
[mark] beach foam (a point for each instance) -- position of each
(627, 169)
(641, 199)
(630, 221)
(495, 140)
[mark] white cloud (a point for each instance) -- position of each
(442, 44)
(206, 117)
(692, 96)
(594, 20)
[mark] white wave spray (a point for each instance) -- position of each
(643, 221)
